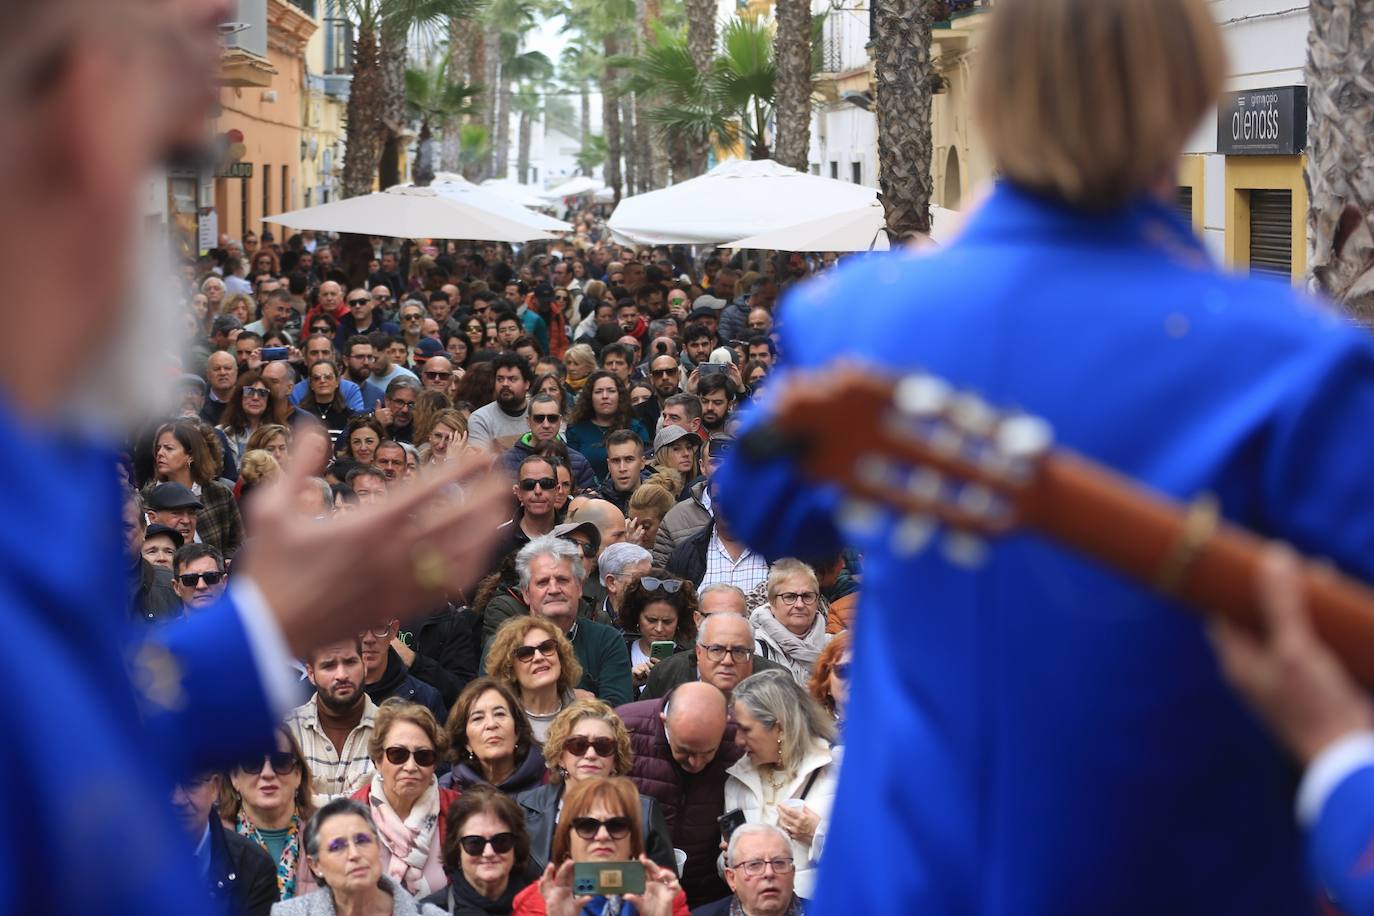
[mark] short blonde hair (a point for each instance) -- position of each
(561, 728)
(580, 355)
(1091, 101)
(508, 638)
(397, 710)
(258, 466)
(229, 303)
(786, 568)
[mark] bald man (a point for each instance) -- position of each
(611, 522)
(683, 745)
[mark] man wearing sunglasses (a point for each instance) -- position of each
(535, 491)
(198, 576)
(546, 425)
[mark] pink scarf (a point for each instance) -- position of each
(415, 861)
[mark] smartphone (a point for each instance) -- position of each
(604, 878)
(729, 821)
(272, 354)
(712, 369)
(662, 648)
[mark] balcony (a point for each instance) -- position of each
(948, 12)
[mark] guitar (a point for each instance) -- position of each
(945, 459)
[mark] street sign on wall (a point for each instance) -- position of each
(1263, 122)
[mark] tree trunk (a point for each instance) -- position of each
(393, 65)
(792, 52)
(503, 104)
(422, 172)
(491, 73)
(627, 118)
(1340, 101)
(585, 120)
(701, 42)
(652, 165)
(901, 51)
(363, 134)
(681, 160)
(610, 120)
(460, 45)
(523, 164)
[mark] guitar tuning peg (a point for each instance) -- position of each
(967, 551)
(921, 396)
(859, 517)
(912, 535)
(972, 415)
(1024, 438)
(925, 484)
(872, 470)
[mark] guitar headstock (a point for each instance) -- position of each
(914, 454)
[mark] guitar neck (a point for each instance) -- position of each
(1150, 538)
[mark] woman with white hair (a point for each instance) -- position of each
(790, 627)
(619, 566)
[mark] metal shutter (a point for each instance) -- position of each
(1183, 203)
(1271, 232)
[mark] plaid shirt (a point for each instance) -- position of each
(747, 573)
(219, 523)
(333, 774)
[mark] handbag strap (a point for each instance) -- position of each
(810, 781)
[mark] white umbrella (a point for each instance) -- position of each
(522, 194)
(860, 229)
(573, 187)
(460, 189)
(734, 200)
(408, 213)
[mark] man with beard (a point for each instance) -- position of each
(717, 396)
(358, 358)
(388, 676)
(500, 424)
(334, 726)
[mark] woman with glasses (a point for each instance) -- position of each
(789, 770)
(323, 399)
(536, 661)
(251, 406)
(491, 740)
(601, 822)
(657, 607)
(791, 628)
(344, 854)
(361, 437)
(183, 453)
(475, 329)
(324, 325)
(267, 800)
(486, 855)
(407, 803)
(830, 680)
(587, 740)
(601, 408)
(272, 438)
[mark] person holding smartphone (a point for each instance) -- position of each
(658, 616)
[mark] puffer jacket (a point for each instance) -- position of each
(321, 903)
(691, 802)
(583, 478)
(682, 521)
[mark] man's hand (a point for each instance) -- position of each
(1291, 678)
(427, 539)
(384, 416)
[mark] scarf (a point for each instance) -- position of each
(793, 909)
(409, 841)
(576, 384)
(800, 651)
(290, 854)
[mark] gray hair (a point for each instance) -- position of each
(541, 399)
(706, 622)
(786, 568)
(325, 489)
(775, 698)
(403, 382)
(337, 808)
(726, 587)
(615, 559)
(546, 545)
(744, 830)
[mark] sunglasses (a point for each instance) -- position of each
(668, 585)
(546, 648)
(436, 376)
(546, 418)
(842, 671)
(589, 827)
(475, 845)
(250, 392)
(282, 763)
(361, 841)
(188, 580)
(663, 372)
(577, 745)
(529, 483)
(322, 329)
(359, 301)
(424, 756)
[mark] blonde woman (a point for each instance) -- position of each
(447, 439)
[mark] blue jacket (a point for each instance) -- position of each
(89, 773)
(1067, 744)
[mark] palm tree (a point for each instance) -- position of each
(578, 65)
(901, 51)
(1341, 193)
(592, 154)
(792, 51)
(516, 66)
(461, 37)
(435, 101)
(528, 104)
(602, 24)
(474, 149)
(367, 109)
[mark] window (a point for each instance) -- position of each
(243, 205)
(834, 170)
(285, 191)
(1271, 232)
(266, 195)
(856, 172)
(1183, 203)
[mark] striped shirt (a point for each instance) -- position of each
(747, 573)
(333, 774)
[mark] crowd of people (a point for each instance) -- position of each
(627, 674)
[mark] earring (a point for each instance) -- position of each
(779, 746)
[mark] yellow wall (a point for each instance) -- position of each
(1281, 173)
(1190, 175)
(955, 52)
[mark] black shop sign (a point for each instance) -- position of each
(1263, 122)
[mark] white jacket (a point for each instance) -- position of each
(744, 790)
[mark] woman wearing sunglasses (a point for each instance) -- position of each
(343, 850)
(586, 740)
(266, 799)
(830, 680)
(600, 822)
(536, 661)
(405, 799)
(486, 854)
(491, 740)
(252, 406)
(657, 607)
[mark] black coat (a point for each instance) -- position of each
(688, 559)
(461, 899)
(153, 599)
(447, 651)
(242, 876)
(397, 681)
(541, 809)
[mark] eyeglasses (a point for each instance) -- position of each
(670, 586)
(397, 404)
(663, 372)
(378, 632)
(381, 298)
(546, 418)
(397, 756)
(360, 841)
(842, 671)
(806, 598)
(474, 845)
(251, 392)
(435, 375)
(359, 301)
(529, 483)
(755, 867)
(189, 580)
(282, 763)
(577, 745)
(589, 827)
(322, 378)
(411, 317)
(717, 653)
(322, 329)
(548, 648)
